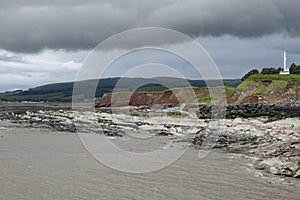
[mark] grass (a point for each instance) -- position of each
(276, 85)
(260, 90)
(182, 92)
(247, 84)
(205, 99)
(219, 94)
(292, 78)
(260, 84)
(229, 91)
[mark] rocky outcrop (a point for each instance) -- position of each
(279, 157)
(128, 99)
(272, 111)
(60, 120)
(275, 146)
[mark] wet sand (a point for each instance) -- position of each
(45, 164)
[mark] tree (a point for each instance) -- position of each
(251, 72)
(271, 70)
(295, 69)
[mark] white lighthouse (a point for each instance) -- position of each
(285, 68)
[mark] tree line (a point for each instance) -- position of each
(294, 69)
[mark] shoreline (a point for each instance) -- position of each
(275, 143)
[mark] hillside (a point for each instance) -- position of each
(63, 91)
(255, 89)
(174, 96)
(267, 89)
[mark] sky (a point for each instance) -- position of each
(48, 41)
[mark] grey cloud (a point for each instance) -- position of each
(11, 58)
(235, 56)
(34, 25)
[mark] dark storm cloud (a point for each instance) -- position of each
(33, 25)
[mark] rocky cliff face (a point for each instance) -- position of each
(125, 99)
(170, 97)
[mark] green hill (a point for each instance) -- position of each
(63, 91)
(267, 88)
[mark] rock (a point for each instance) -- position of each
(297, 174)
(275, 170)
(237, 121)
(164, 133)
(292, 166)
(261, 166)
(269, 131)
(286, 172)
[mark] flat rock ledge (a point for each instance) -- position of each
(274, 145)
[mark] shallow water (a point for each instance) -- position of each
(42, 164)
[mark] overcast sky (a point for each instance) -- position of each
(44, 41)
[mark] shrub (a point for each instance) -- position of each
(251, 72)
(271, 70)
